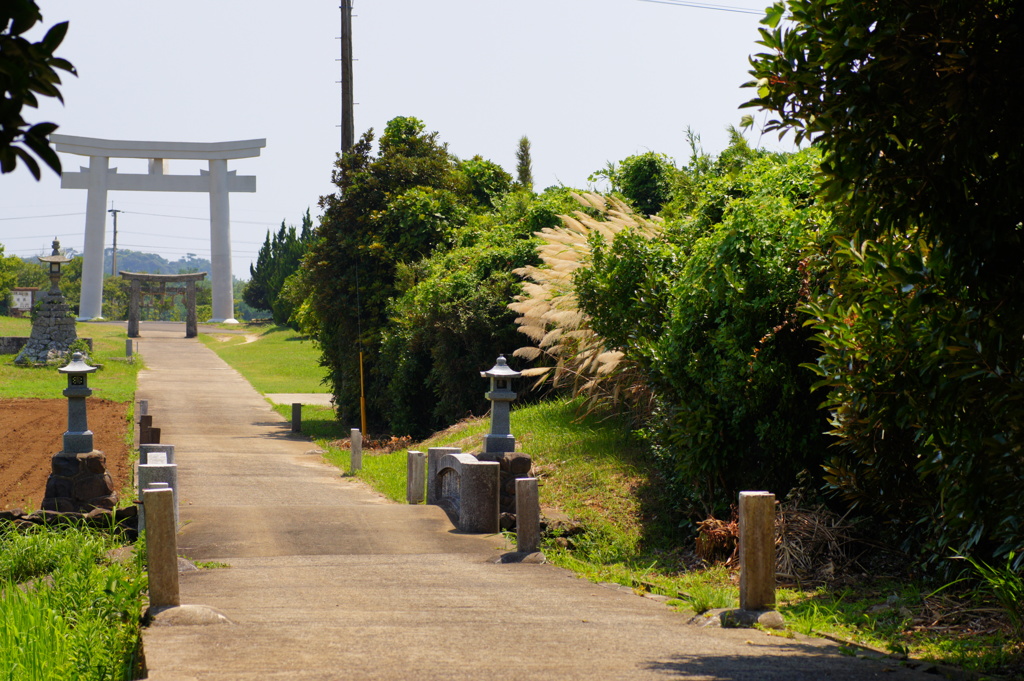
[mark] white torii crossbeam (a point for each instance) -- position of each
(99, 178)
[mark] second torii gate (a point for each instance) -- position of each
(99, 178)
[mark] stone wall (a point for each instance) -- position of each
(12, 345)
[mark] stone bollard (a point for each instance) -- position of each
(150, 473)
(434, 455)
(527, 515)
(145, 429)
(144, 451)
(143, 407)
(296, 417)
(161, 548)
(355, 451)
(128, 348)
(478, 507)
(757, 551)
(416, 464)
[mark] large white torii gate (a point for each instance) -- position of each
(99, 178)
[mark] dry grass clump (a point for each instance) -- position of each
(811, 545)
(550, 316)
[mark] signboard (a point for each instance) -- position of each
(22, 299)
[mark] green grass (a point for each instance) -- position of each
(276, 360)
(66, 610)
(114, 381)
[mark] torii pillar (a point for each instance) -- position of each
(99, 178)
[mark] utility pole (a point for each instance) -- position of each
(347, 105)
(113, 254)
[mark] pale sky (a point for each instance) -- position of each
(589, 81)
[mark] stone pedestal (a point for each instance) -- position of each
(514, 466)
(79, 483)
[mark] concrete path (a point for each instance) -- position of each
(329, 581)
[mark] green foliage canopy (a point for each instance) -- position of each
(922, 330)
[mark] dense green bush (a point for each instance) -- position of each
(709, 311)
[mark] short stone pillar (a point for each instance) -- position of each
(296, 417)
(527, 515)
(355, 450)
(434, 455)
(161, 548)
(757, 550)
(415, 478)
(478, 506)
(78, 480)
(153, 472)
(500, 438)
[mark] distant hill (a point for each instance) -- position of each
(134, 261)
(150, 263)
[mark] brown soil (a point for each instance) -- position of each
(32, 431)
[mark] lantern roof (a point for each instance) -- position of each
(501, 369)
(77, 366)
(55, 256)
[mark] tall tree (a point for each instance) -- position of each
(922, 331)
(279, 257)
(524, 164)
(390, 208)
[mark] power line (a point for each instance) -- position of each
(704, 5)
(36, 217)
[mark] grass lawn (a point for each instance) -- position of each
(114, 381)
(274, 359)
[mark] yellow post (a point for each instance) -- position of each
(362, 396)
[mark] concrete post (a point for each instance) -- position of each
(296, 417)
(355, 450)
(434, 455)
(527, 515)
(143, 407)
(479, 504)
(415, 476)
(91, 300)
(134, 308)
(150, 473)
(144, 451)
(191, 320)
(128, 348)
(145, 429)
(757, 551)
(161, 548)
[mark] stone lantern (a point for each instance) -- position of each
(78, 437)
(54, 261)
(53, 328)
(500, 438)
(78, 480)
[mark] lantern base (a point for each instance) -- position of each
(79, 482)
(497, 444)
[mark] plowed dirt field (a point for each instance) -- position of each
(32, 431)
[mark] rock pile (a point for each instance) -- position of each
(53, 331)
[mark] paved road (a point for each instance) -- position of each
(329, 581)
